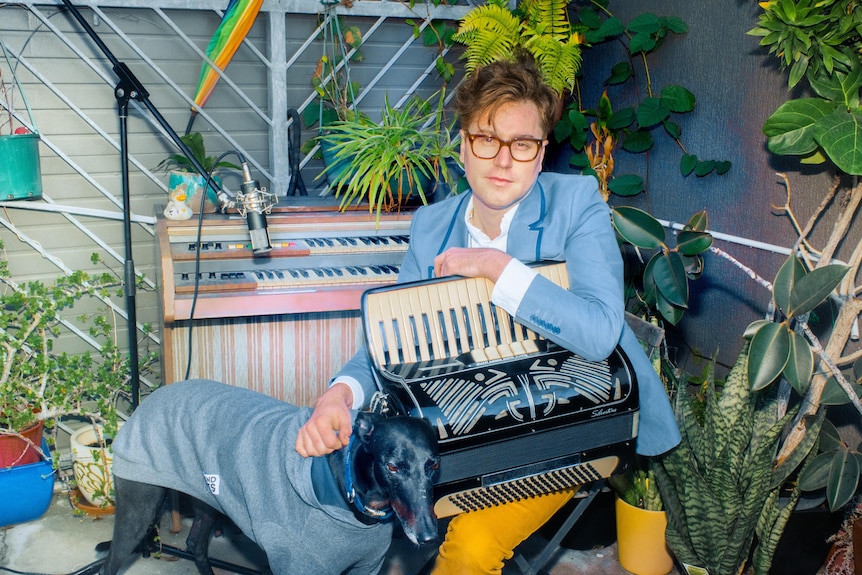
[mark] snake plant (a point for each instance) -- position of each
(542, 28)
(727, 501)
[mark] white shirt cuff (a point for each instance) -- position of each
(355, 387)
(512, 285)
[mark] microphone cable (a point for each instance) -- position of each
(198, 250)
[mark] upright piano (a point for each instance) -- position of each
(282, 323)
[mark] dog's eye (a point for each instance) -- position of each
(433, 464)
(392, 467)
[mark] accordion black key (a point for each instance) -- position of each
(516, 415)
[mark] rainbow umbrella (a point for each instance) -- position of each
(234, 26)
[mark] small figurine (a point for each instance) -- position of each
(177, 208)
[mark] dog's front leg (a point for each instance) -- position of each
(198, 540)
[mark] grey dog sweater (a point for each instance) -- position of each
(234, 450)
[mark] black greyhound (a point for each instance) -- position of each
(309, 515)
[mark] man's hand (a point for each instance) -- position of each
(472, 263)
(329, 426)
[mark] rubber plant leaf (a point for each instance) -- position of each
(638, 227)
(816, 474)
(843, 479)
(814, 287)
(693, 243)
(698, 222)
(800, 363)
(790, 272)
(768, 355)
(670, 278)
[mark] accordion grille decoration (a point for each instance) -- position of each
(516, 415)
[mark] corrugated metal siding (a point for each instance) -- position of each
(70, 87)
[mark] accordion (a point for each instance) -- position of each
(516, 415)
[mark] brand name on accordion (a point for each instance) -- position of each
(603, 411)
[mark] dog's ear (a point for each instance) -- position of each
(364, 424)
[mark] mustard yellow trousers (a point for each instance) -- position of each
(479, 542)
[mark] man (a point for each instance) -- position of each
(513, 215)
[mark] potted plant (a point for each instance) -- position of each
(819, 124)
(20, 171)
(185, 184)
(405, 155)
(641, 521)
(39, 383)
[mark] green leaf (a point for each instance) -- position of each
(693, 243)
(671, 313)
(816, 474)
(790, 129)
(670, 278)
(646, 23)
(677, 99)
(810, 290)
(834, 394)
(839, 135)
(704, 168)
(843, 479)
(687, 164)
(722, 167)
(641, 43)
(791, 271)
(800, 363)
(638, 141)
(768, 354)
(652, 112)
(830, 439)
(698, 222)
(620, 119)
(673, 130)
(620, 73)
(638, 227)
(626, 185)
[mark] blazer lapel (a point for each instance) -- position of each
(525, 234)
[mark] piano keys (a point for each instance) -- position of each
(282, 323)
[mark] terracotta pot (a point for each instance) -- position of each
(15, 451)
(641, 545)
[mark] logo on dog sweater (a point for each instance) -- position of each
(213, 482)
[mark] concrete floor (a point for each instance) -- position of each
(63, 542)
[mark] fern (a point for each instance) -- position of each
(541, 28)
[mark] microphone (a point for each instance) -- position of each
(252, 203)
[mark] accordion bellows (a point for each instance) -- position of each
(516, 415)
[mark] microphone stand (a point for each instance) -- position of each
(130, 88)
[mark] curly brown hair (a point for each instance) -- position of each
(504, 82)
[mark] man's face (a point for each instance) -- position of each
(501, 182)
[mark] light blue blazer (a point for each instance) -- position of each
(562, 219)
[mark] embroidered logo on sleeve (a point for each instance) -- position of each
(213, 482)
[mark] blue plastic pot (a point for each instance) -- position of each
(26, 490)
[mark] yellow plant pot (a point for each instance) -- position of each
(641, 545)
(92, 466)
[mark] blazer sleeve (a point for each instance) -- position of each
(587, 318)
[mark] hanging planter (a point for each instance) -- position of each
(20, 170)
(27, 490)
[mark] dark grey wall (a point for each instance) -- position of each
(737, 87)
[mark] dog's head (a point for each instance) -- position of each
(405, 464)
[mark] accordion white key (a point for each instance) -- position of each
(516, 415)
